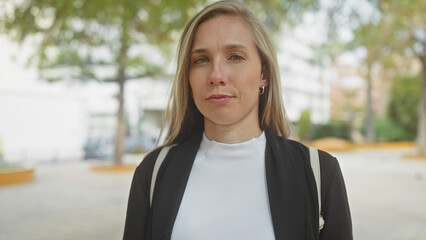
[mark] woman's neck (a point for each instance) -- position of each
(230, 133)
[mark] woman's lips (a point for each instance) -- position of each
(219, 98)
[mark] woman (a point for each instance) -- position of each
(232, 173)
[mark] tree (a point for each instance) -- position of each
(376, 39)
(408, 19)
(88, 37)
(304, 125)
(403, 106)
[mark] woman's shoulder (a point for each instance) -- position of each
(299, 149)
(148, 161)
(329, 165)
(326, 159)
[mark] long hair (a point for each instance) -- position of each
(182, 116)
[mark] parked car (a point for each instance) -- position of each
(99, 148)
(104, 147)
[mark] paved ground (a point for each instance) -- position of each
(69, 201)
(387, 194)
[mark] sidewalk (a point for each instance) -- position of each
(387, 194)
(69, 201)
(66, 201)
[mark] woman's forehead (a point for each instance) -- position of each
(227, 31)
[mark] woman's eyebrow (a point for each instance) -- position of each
(199, 50)
(235, 46)
(226, 47)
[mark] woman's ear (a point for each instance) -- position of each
(264, 74)
(263, 80)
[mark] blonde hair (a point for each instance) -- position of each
(183, 117)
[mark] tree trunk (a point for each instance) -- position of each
(421, 129)
(121, 123)
(369, 121)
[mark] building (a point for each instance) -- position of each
(39, 123)
(305, 83)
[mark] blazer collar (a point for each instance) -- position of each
(172, 179)
(285, 182)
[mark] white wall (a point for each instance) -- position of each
(38, 121)
(39, 125)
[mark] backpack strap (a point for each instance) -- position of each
(161, 156)
(315, 164)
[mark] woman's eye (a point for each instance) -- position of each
(200, 60)
(236, 57)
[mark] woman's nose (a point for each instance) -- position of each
(217, 76)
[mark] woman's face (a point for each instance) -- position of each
(225, 73)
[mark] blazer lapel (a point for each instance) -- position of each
(173, 177)
(285, 180)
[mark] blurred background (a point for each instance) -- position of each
(84, 83)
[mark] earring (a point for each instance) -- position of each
(262, 90)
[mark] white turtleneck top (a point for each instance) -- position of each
(226, 195)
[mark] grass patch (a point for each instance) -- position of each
(9, 167)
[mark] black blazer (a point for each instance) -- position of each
(291, 189)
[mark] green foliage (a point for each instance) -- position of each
(409, 24)
(275, 12)
(9, 167)
(338, 129)
(331, 46)
(88, 34)
(304, 125)
(405, 97)
(388, 131)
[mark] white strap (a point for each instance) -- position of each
(161, 156)
(315, 164)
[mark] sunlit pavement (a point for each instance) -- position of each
(69, 201)
(387, 194)
(66, 201)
